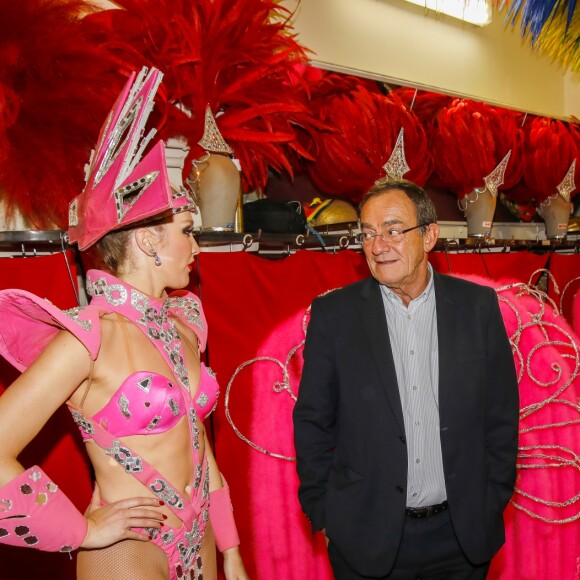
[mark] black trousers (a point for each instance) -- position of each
(429, 551)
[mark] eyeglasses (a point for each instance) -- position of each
(387, 234)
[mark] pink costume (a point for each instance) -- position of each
(121, 189)
(145, 403)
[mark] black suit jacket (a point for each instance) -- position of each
(349, 430)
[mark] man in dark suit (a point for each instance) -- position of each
(407, 415)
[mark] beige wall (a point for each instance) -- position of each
(403, 43)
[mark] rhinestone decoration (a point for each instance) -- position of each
(41, 499)
(73, 216)
(212, 140)
(5, 505)
(495, 179)
(21, 530)
(73, 313)
(168, 537)
(166, 493)
(397, 166)
(202, 400)
(4, 532)
(66, 549)
(35, 475)
(124, 457)
(567, 186)
(174, 406)
(114, 147)
(198, 474)
(153, 423)
(145, 384)
(127, 196)
(124, 406)
(26, 489)
(82, 422)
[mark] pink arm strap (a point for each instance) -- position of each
(221, 515)
(35, 513)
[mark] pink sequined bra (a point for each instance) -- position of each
(148, 403)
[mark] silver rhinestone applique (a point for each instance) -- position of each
(194, 428)
(189, 307)
(127, 196)
(168, 537)
(25, 489)
(66, 549)
(198, 473)
(124, 406)
(82, 422)
(205, 489)
(145, 384)
(35, 475)
(210, 372)
(73, 216)
(153, 423)
(124, 457)
(202, 400)
(116, 294)
(5, 505)
(174, 407)
(73, 314)
(166, 493)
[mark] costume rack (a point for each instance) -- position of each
(329, 238)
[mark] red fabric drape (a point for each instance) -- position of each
(517, 265)
(255, 308)
(57, 448)
(566, 272)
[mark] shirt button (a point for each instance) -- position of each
(409, 317)
(412, 352)
(415, 494)
(417, 423)
(403, 440)
(414, 387)
(417, 460)
(400, 488)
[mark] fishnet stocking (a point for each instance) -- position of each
(127, 560)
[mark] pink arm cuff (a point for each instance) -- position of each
(35, 513)
(221, 515)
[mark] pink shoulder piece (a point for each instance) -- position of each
(187, 306)
(29, 323)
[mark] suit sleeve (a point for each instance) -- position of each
(315, 418)
(502, 408)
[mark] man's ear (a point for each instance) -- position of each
(430, 237)
(145, 240)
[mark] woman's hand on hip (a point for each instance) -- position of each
(114, 522)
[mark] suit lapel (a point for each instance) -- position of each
(446, 338)
(372, 313)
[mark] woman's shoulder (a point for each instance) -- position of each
(30, 323)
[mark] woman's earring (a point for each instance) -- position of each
(157, 258)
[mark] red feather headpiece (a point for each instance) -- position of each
(550, 148)
(468, 141)
(56, 87)
(236, 57)
(363, 127)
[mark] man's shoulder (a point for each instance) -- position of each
(462, 286)
(345, 293)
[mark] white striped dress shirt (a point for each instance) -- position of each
(414, 343)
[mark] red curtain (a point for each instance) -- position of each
(57, 448)
(255, 309)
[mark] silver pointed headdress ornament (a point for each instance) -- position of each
(568, 185)
(212, 140)
(495, 179)
(397, 165)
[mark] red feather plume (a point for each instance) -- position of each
(56, 88)
(238, 57)
(550, 148)
(362, 129)
(468, 140)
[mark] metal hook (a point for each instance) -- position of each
(247, 241)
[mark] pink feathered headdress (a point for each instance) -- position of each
(121, 188)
